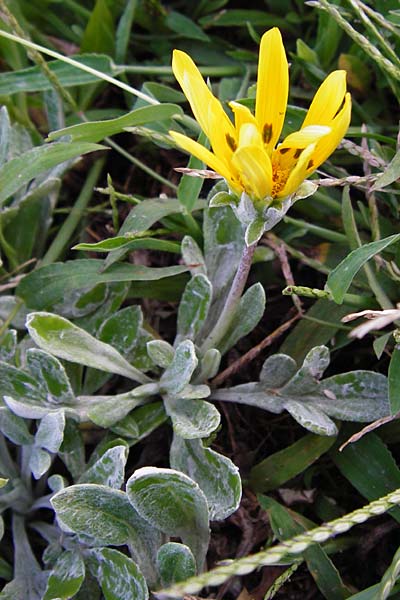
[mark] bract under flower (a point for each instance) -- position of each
(245, 152)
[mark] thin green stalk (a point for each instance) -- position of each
(388, 67)
(281, 580)
(350, 227)
(36, 56)
(78, 8)
(8, 250)
(72, 221)
(139, 164)
(194, 228)
(228, 312)
(4, 326)
(380, 19)
(206, 71)
(322, 232)
(81, 66)
(275, 554)
(369, 25)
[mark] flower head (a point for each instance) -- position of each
(247, 153)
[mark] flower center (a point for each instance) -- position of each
(279, 178)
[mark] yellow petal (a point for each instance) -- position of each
(288, 153)
(327, 101)
(249, 136)
(254, 166)
(327, 144)
(272, 87)
(298, 174)
(242, 115)
(193, 147)
(304, 137)
(206, 108)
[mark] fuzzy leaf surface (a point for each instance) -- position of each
(174, 504)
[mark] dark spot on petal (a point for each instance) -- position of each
(267, 133)
(284, 150)
(231, 142)
(340, 107)
(310, 164)
(298, 152)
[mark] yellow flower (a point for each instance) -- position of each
(246, 153)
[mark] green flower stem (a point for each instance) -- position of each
(322, 232)
(274, 555)
(75, 216)
(228, 312)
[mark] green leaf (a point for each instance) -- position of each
(394, 382)
(287, 524)
(39, 461)
(216, 475)
(184, 26)
(339, 280)
(99, 34)
(308, 334)
(106, 411)
(254, 231)
(390, 175)
(144, 215)
(175, 562)
(141, 422)
(311, 417)
(15, 428)
(20, 170)
(96, 131)
(192, 256)
(223, 247)
(192, 418)
(190, 187)
(124, 30)
(161, 353)
(193, 307)
(108, 470)
(356, 396)
(389, 578)
(129, 245)
(64, 339)
(209, 366)
(236, 18)
(179, 372)
(282, 466)
(47, 370)
(8, 345)
(249, 312)
(50, 432)
(174, 504)
(72, 450)
(67, 576)
(120, 578)
(34, 80)
(370, 468)
(107, 516)
(49, 285)
(17, 385)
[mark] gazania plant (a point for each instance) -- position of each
(146, 383)
(248, 153)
